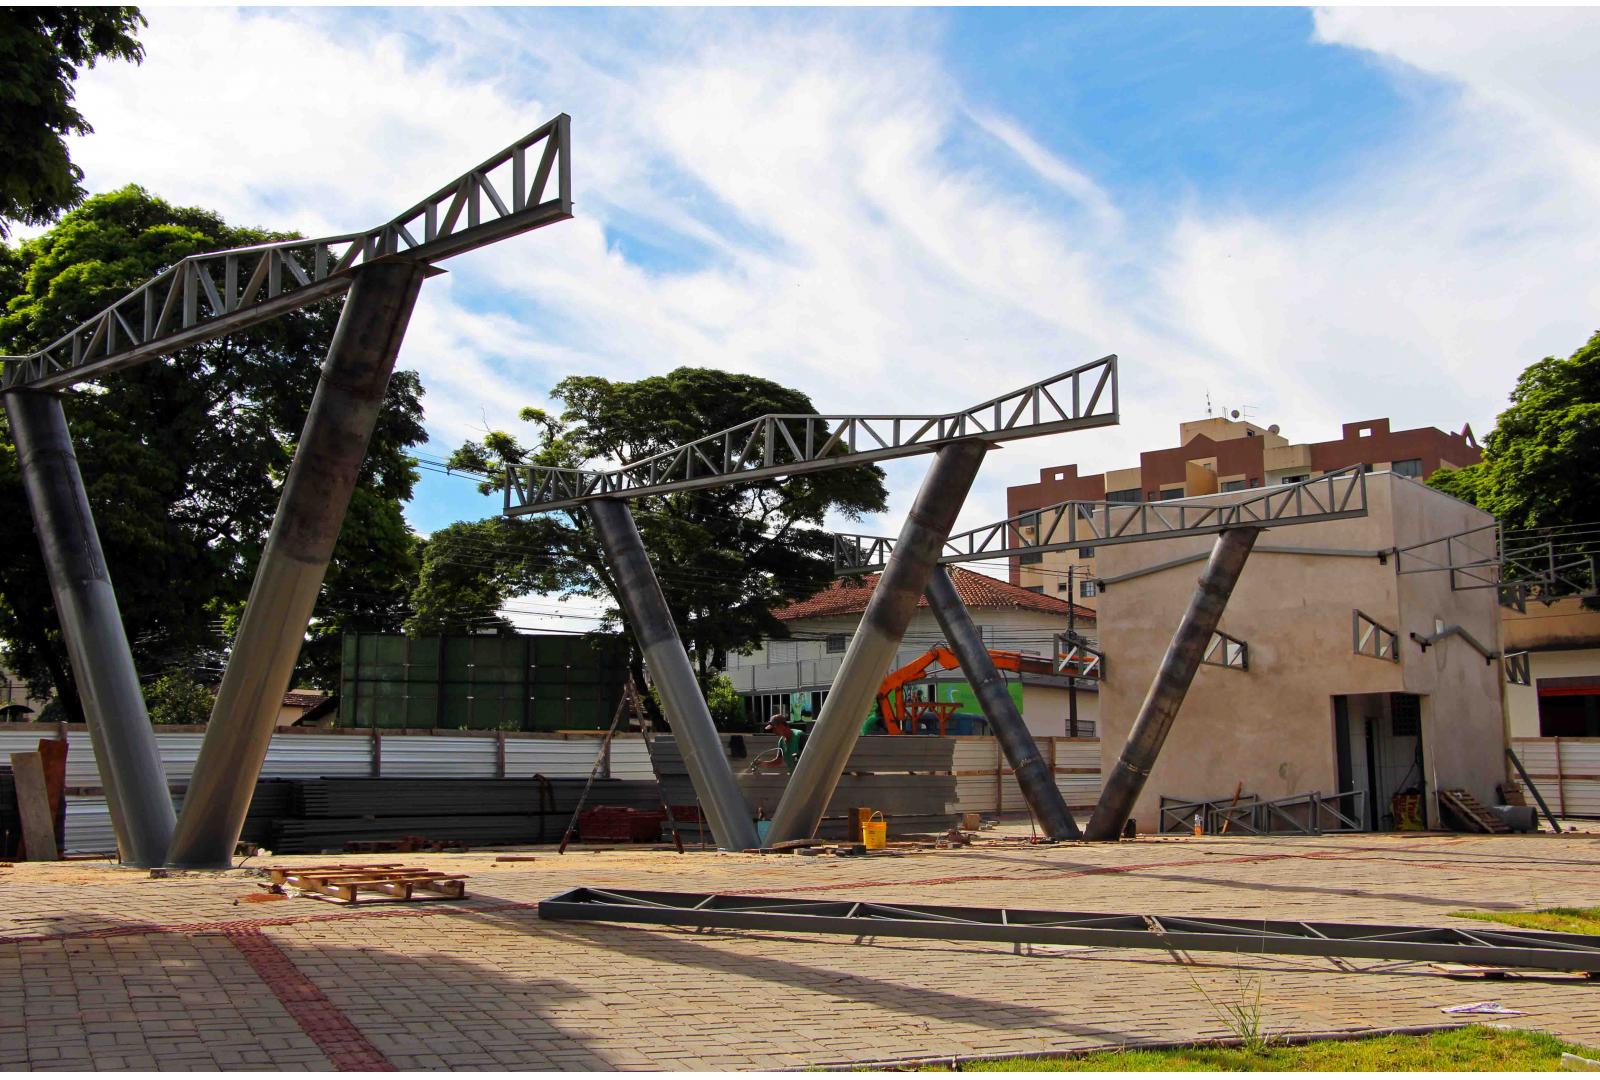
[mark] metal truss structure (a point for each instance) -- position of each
(1224, 650)
(1092, 523)
(864, 919)
(206, 296)
(523, 187)
(1310, 814)
(1371, 638)
(1522, 565)
(789, 445)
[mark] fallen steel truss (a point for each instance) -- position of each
(206, 296)
(1524, 565)
(1090, 523)
(788, 445)
(1499, 948)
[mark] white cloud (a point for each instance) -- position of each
(811, 198)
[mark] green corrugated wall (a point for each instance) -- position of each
(523, 682)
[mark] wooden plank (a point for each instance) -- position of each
(33, 806)
(53, 752)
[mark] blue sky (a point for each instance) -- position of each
(1323, 215)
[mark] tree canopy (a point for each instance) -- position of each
(1539, 462)
(183, 457)
(725, 556)
(41, 50)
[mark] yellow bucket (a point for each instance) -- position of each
(875, 832)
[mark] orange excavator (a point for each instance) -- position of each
(900, 716)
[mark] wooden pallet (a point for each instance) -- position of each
(1473, 813)
(390, 881)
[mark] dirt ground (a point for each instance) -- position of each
(104, 967)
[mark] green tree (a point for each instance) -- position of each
(176, 698)
(725, 556)
(1538, 467)
(183, 457)
(41, 50)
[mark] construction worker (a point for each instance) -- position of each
(791, 737)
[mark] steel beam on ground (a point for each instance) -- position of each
(305, 528)
(1171, 684)
(1034, 775)
(91, 628)
(790, 445)
(1484, 945)
(1089, 523)
(873, 646)
(732, 825)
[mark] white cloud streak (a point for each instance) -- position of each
(812, 199)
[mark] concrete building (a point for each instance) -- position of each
(1218, 454)
(803, 665)
(1311, 712)
(1561, 696)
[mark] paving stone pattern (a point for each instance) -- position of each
(107, 968)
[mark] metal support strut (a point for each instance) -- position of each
(1161, 704)
(872, 650)
(1034, 775)
(727, 813)
(91, 627)
(304, 531)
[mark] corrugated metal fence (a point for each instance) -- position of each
(1566, 771)
(982, 779)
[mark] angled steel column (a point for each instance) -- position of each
(310, 513)
(732, 825)
(1034, 775)
(1165, 698)
(872, 649)
(91, 626)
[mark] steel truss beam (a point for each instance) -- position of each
(1086, 523)
(1520, 567)
(207, 296)
(1499, 948)
(789, 445)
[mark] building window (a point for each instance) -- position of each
(1302, 478)
(1086, 553)
(1411, 467)
(1172, 493)
(1126, 495)
(1028, 558)
(1034, 588)
(1235, 485)
(1086, 587)
(836, 643)
(1027, 519)
(1062, 586)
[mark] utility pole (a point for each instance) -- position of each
(1072, 641)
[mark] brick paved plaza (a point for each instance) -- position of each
(108, 968)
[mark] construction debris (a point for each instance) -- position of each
(390, 881)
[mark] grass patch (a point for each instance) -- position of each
(1557, 920)
(1468, 1049)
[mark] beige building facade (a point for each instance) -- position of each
(1557, 648)
(1310, 713)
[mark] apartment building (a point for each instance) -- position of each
(1220, 454)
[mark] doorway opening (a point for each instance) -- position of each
(1380, 751)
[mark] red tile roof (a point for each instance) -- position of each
(848, 596)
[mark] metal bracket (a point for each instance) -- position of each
(1371, 638)
(1227, 651)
